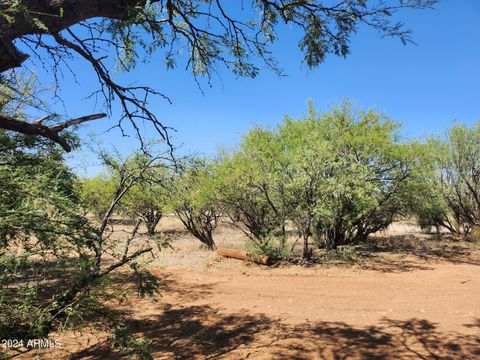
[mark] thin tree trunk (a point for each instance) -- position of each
(151, 220)
(306, 248)
(209, 242)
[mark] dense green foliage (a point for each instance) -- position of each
(192, 200)
(37, 194)
(247, 193)
(97, 193)
(452, 179)
(39, 214)
(337, 176)
(52, 257)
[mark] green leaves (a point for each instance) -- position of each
(193, 199)
(338, 176)
(38, 195)
(451, 181)
(97, 194)
(49, 244)
(206, 33)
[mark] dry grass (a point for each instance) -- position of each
(389, 250)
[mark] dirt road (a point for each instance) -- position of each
(431, 311)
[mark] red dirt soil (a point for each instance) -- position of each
(428, 310)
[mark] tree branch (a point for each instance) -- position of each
(50, 132)
(55, 15)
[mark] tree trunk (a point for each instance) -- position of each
(196, 228)
(208, 241)
(151, 219)
(306, 248)
(335, 236)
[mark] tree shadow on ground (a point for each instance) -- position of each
(390, 339)
(203, 332)
(182, 291)
(434, 249)
(174, 331)
(186, 332)
(380, 261)
(405, 253)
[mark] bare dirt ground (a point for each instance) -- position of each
(406, 297)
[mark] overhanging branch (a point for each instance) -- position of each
(50, 132)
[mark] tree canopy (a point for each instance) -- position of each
(201, 34)
(451, 195)
(338, 176)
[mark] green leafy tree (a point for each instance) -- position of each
(145, 200)
(51, 255)
(148, 199)
(452, 177)
(52, 268)
(39, 217)
(368, 180)
(249, 194)
(309, 159)
(193, 201)
(97, 193)
(338, 176)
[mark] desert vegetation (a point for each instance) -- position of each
(125, 263)
(329, 180)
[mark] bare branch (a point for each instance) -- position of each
(50, 132)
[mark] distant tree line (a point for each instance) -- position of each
(334, 178)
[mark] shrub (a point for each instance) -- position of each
(338, 176)
(276, 248)
(366, 183)
(192, 200)
(452, 180)
(248, 191)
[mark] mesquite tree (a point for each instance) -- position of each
(368, 181)
(247, 192)
(148, 199)
(337, 176)
(202, 34)
(145, 200)
(451, 181)
(52, 256)
(96, 193)
(192, 199)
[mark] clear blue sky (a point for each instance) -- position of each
(426, 86)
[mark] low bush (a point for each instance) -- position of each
(276, 248)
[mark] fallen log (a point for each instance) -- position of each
(243, 255)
